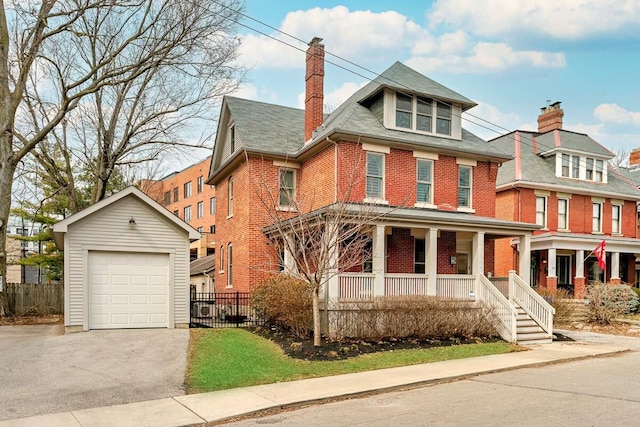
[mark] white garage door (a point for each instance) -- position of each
(128, 290)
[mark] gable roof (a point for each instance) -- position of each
(202, 265)
(276, 130)
(537, 171)
(61, 227)
(571, 141)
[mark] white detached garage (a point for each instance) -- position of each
(126, 265)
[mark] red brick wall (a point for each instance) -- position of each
(446, 249)
(489, 256)
(504, 257)
(316, 180)
(400, 255)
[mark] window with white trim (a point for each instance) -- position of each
(221, 260)
(200, 184)
(229, 265)
(616, 216)
(375, 176)
(424, 180)
(230, 196)
(232, 138)
(419, 256)
(416, 113)
(589, 168)
(187, 214)
(566, 160)
(200, 210)
(464, 186)
(599, 170)
(212, 206)
(443, 119)
(541, 210)
(563, 214)
(575, 166)
(287, 187)
(187, 189)
(596, 226)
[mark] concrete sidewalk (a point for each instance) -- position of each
(197, 409)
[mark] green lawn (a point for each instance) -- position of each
(228, 358)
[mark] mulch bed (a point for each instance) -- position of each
(298, 348)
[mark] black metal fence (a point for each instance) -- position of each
(222, 310)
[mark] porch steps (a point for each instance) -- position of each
(528, 332)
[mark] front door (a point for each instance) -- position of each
(462, 263)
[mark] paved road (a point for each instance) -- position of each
(593, 392)
(43, 371)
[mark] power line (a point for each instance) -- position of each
(377, 75)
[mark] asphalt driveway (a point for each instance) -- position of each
(43, 371)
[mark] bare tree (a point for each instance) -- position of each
(314, 242)
(113, 57)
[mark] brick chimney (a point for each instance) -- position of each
(550, 117)
(314, 99)
(634, 157)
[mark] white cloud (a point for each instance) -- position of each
(485, 57)
(613, 113)
(488, 122)
(333, 99)
(351, 34)
(566, 19)
(247, 91)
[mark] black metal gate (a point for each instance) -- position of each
(222, 310)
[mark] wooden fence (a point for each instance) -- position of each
(32, 299)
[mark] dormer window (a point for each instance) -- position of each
(583, 168)
(416, 112)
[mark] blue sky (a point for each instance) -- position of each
(508, 56)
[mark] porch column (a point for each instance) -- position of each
(378, 260)
(333, 282)
(615, 268)
(552, 275)
(524, 264)
(431, 259)
(288, 261)
(579, 282)
(477, 262)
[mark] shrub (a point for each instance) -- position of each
(420, 317)
(560, 300)
(606, 302)
(637, 291)
(285, 301)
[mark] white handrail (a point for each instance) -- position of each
(506, 312)
(531, 302)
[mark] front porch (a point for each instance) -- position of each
(523, 316)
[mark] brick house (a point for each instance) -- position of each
(186, 195)
(561, 181)
(397, 146)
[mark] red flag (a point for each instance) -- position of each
(600, 252)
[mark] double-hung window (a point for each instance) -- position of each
(423, 114)
(187, 214)
(375, 176)
(419, 256)
(443, 120)
(175, 194)
(425, 174)
(597, 218)
(221, 260)
(230, 194)
(541, 210)
(167, 198)
(464, 186)
(404, 111)
(598, 171)
(563, 214)
(212, 206)
(616, 216)
(575, 166)
(229, 265)
(566, 159)
(187, 189)
(589, 168)
(200, 212)
(287, 188)
(200, 184)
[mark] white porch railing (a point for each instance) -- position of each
(531, 302)
(505, 311)
(355, 286)
(405, 284)
(459, 286)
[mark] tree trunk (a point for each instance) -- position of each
(317, 341)
(7, 169)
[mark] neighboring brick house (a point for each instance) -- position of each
(401, 138)
(561, 180)
(186, 195)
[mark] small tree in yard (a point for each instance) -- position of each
(313, 242)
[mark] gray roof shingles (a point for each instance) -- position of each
(540, 170)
